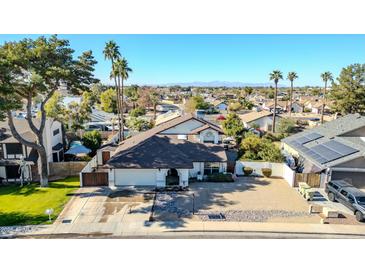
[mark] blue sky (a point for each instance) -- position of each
(161, 59)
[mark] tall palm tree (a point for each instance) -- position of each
(154, 100)
(291, 77)
(111, 52)
(326, 76)
(276, 75)
(123, 71)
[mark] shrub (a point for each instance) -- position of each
(266, 172)
(92, 140)
(220, 177)
(247, 170)
(138, 111)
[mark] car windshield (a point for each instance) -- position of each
(360, 200)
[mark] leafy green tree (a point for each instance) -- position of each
(108, 101)
(77, 115)
(132, 93)
(259, 149)
(248, 91)
(55, 109)
(235, 106)
(138, 124)
(291, 77)
(286, 126)
(92, 140)
(348, 92)
(138, 111)
(276, 75)
(38, 68)
(326, 76)
(233, 126)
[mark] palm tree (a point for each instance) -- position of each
(154, 100)
(291, 77)
(111, 52)
(123, 70)
(276, 75)
(326, 76)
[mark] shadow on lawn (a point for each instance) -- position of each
(174, 213)
(26, 190)
(17, 218)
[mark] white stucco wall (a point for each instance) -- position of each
(49, 139)
(197, 167)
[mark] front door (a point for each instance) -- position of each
(172, 177)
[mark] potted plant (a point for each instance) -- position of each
(247, 170)
(266, 172)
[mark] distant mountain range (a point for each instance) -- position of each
(221, 84)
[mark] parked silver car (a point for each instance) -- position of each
(348, 195)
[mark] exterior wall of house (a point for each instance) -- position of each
(51, 140)
(264, 123)
(197, 167)
(184, 128)
(297, 108)
(183, 177)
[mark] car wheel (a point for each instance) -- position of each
(331, 197)
(359, 216)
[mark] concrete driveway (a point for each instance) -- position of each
(104, 209)
(248, 199)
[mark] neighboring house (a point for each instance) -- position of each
(168, 154)
(280, 106)
(336, 149)
(166, 107)
(167, 116)
(297, 107)
(11, 151)
(220, 105)
(263, 119)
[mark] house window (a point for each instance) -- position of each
(14, 149)
(211, 168)
(208, 137)
(56, 131)
(55, 156)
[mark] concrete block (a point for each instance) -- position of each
(329, 212)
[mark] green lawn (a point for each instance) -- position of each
(26, 205)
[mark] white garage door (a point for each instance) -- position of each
(135, 177)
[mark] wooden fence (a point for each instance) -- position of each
(312, 179)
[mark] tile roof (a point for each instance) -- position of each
(254, 115)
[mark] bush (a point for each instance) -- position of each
(266, 172)
(220, 177)
(92, 140)
(247, 170)
(137, 112)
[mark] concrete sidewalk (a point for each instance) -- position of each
(138, 228)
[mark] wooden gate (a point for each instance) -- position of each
(312, 179)
(95, 179)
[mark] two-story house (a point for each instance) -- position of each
(11, 151)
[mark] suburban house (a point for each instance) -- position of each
(335, 150)
(259, 119)
(280, 106)
(11, 151)
(220, 105)
(168, 154)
